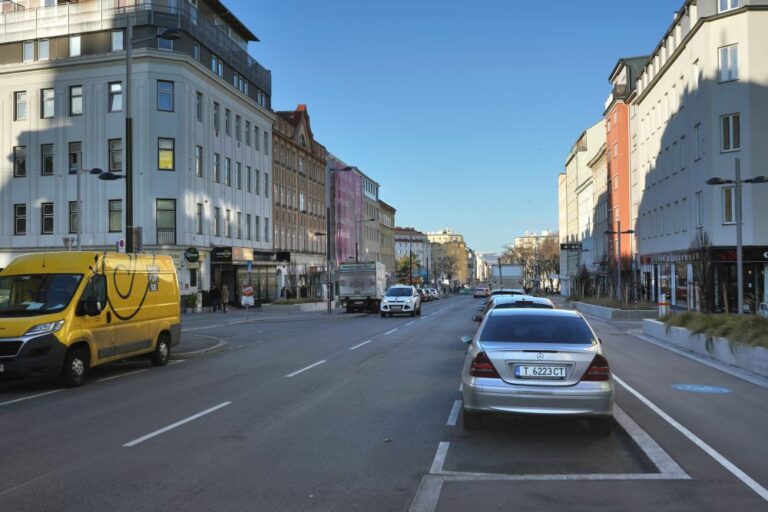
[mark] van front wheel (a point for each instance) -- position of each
(76, 365)
(162, 352)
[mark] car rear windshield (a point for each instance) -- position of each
(537, 329)
(399, 292)
(523, 304)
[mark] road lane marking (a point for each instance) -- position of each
(390, 332)
(177, 361)
(732, 468)
(411, 322)
(655, 453)
(360, 345)
(454, 416)
(175, 425)
(30, 397)
(439, 461)
(304, 369)
(461, 387)
(105, 379)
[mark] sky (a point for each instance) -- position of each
(463, 111)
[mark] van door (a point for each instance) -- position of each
(130, 328)
(98, 326)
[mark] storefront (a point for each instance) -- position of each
(236, 267)
(755, 278)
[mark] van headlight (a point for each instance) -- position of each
(46, 328)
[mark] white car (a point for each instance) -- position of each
(399, 300)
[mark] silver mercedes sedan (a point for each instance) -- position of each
(537, 361)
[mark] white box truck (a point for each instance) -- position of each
(510, 276)
(362, 286)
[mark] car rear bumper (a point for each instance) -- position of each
(582, 399)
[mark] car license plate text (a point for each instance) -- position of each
(539, 372)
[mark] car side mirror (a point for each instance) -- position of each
(466, 339)
(476, 318)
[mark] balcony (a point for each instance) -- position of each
(96, 15)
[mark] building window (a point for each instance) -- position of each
(239, 225)
(684, 210)
(163, 44)
(247, 178)
(217, 221)
(302, 206)
(19, 161)
(115, 215)
(228, 223)
(20, 111)
(46, 159)
(43, 49)
(216, 168)
(76, 100)
(165, 154)
(228, 122)
(698, 142)
(216, 117)
(117, 40)
(696, 76)
(247, 133)
(199, 106)
(196, 52)
(731, 132)
(238, 176)
(266, 143)
(266, 185)
(165, 96)
(193, 277)
(28, 51)
(115, 157)
(248, 226)
(73, 217)
(257, 227)
(228, 172)
(256, 138)
(699, 210)
(238, 132)
(20, 219)
(75, 157)
(257, 182)
(729, 63)
(729, 209)
(199, 219)
(727, 5)
(214, 63)
(46, 218)
(198, 160)
(166, 222)
(115, 96)
(266, 229)
(47, 103)
(74, 46)
(683, 155)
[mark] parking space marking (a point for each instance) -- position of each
(454, 416)
(105, 379)
(439, 461)
(175, 425)
(30, 397)
(732, 468)
(655, 453)
(461, 387)
(390, 332)
(305, 369)
(360, 345)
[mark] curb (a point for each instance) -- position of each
(221, 345)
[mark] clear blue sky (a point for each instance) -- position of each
(462, 111)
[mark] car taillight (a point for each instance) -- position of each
(598, 370)
(482, 367)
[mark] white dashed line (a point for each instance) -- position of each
(454, 416)
(30, 397)
(390, 332)
(105, 379)
(360, 345)
(411, 322)
(175, 425)
(304, 369)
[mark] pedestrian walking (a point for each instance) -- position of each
(215, 296)
(224, 298)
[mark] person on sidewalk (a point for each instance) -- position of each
(224, 298)
(215, 295)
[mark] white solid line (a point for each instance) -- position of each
(105, 379)
(360, 345)
(390, 332)
(304, 369)
(177, 424)
(738, 473)
(454, 416)
(459, 476)
(439, 461)
(427, 494)
(30, 397)
(177, 361)
(411, 322)
(461, 387)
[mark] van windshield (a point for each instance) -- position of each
(36, 294)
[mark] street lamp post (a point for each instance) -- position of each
(327, 235)
(618, 259)
(739, 246)
(167, 34)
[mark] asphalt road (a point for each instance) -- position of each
(359, 413)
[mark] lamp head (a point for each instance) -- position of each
(96, 171)
(718, 181)
(110, 176)
(757, 179)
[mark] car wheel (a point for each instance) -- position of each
(418, 311)
(383, 315)
(471, 420)
(75, 369)
(390, 315)
(413, 313)
(600, 426)
(162, 352)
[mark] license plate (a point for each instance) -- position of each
(523, 371)
(396, 308)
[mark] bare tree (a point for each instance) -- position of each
(703, 276)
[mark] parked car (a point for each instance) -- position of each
(425, 297)
(400, 299)
(481, 292)
(512, 301)
(434, 294)
(537, 361)
(507, 291)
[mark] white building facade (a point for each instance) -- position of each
(202, 137)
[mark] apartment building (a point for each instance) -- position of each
(447, 243)
(411, 241)
(387, 229)
(299, 203)
(202, 136)
(702, 108)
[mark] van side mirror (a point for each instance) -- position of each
(466, 339)
(91, 307)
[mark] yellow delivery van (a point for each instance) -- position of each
(62, 313)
